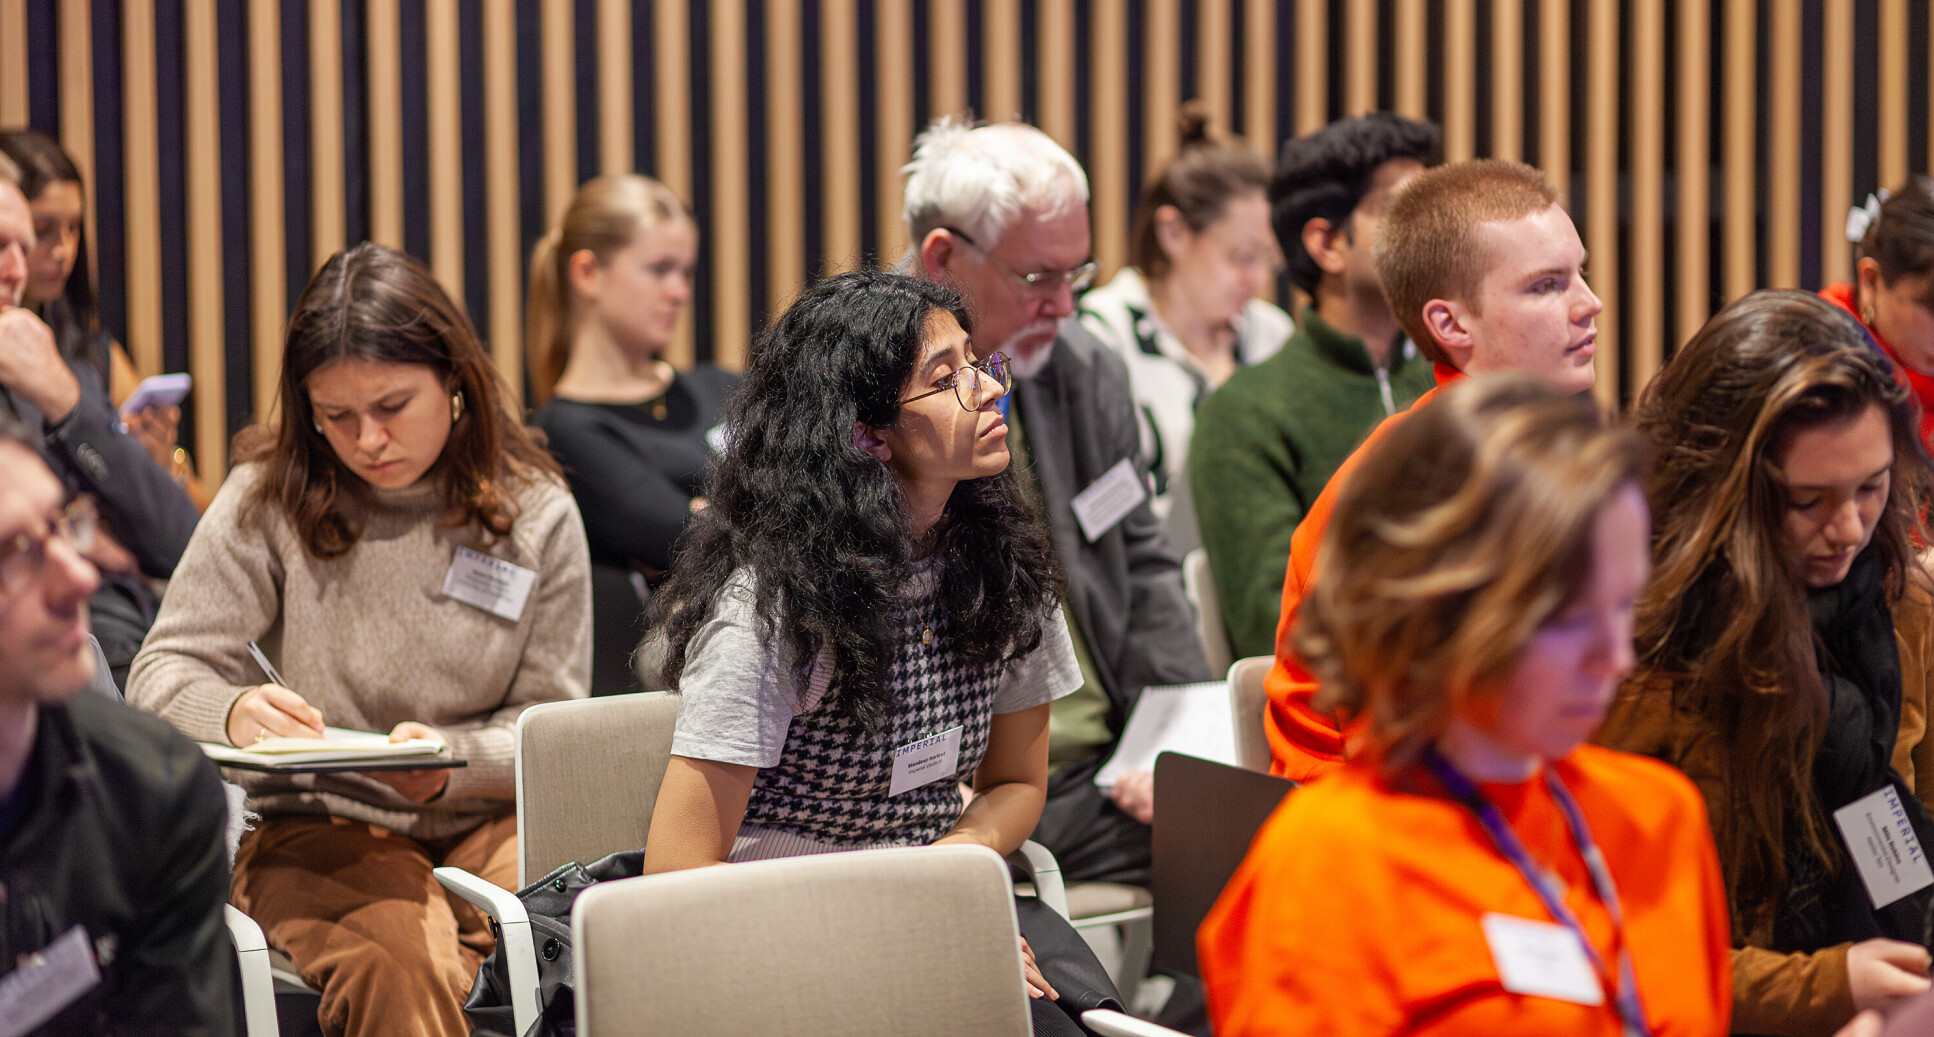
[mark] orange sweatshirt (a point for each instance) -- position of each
(1304, 742)
(1921, 385)
(1358, 909)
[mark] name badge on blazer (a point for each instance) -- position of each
(1108, 500)
(47, 981)
(488, 583)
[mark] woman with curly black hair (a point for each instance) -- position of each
(868, 578)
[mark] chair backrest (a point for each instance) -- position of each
(1247, 701)
(588, 772)
(921, 939)
(1199, 584)
(1206, 815)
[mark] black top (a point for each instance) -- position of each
(634, 474)
(119, 827)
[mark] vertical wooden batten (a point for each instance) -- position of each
(947, 56)
(784, 234)
(1000, 34)
(1312, 65)
(672, 132)
(1783, 147)
(207, 338)
(839, 102)
(1601, 192)
(1893, 93)
(893, 133)
(1692, 164)
(1741, 165)
(13, 62)
(1054, 69)
(1360, 64)
(1554, 93)
(76, 43)
(731, 248)
(615, 144)
(502, 193)
(327, 218)
(142, 166)
(1161, 83)
(557, 38)
(443, 103)
(385, 121)
(1412, 71)
(1108, 122)
(1259, 77)
(1836, 140)
(1212, 60)
(267, 280)
(1460, 79)
(1507, 79)
(1643, 343)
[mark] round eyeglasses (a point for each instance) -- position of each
(1078, 280)
(974, 384)
(24, 555)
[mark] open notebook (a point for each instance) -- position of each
(338, 749)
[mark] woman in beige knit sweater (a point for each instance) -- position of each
(343, 544)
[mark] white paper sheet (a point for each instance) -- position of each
(1180, 718)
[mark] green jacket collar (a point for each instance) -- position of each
(1344, 350)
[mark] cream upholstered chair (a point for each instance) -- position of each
(1247, 701)
(871, 942)
(256, 984)
(1198, 582)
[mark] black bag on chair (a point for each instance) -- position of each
(548, 902)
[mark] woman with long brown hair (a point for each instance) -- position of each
(408, 552)
(1784, 655)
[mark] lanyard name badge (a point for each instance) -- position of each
(1626, 994)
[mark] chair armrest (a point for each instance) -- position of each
(258, 987)
(1114, 1024)
(1046, 872)
(514, 941)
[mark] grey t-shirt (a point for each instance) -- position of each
(740, 695)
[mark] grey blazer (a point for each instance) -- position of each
(1125, 589)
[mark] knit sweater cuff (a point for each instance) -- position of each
(489, 771)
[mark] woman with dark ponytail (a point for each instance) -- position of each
(1184, 314)
(868, 575)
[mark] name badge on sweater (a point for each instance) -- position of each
(488, 583)
(1881, 841)
(1542, 959)
(47, 981)
(926, 761)
(1108, 500)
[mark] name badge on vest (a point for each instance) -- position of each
(926, 761)
(47, 981)
(1881, 841)
(1108, 500)
(488, 583)
(1542, 959)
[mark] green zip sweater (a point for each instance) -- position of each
(1264, 446)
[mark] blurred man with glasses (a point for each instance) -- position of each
(113, 862)
(1000, 212)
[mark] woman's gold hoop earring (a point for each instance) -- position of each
(456, 407)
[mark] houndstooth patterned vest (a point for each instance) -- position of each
(831, 781)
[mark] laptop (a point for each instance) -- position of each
(1206, 814)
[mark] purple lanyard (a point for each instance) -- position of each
(1626, 994)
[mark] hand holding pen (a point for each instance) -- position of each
(271, 710)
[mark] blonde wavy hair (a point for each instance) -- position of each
(1465, 529)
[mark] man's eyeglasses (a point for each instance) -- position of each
(974, 384)
(1078, 280)
(24, 555)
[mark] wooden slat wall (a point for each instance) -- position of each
(786, 128)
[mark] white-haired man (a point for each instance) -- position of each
(1000, 212)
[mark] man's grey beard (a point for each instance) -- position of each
(1030, 364)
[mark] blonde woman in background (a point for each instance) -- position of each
(635, 436)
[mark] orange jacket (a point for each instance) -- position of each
(1922, 386)
(1304, 742)
(1358, 910)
